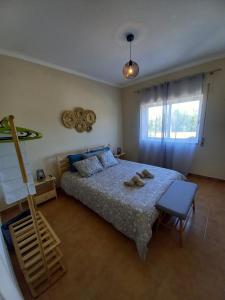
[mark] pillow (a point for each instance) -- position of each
(107, 159)
(88, 166)
(72, 159)
(89, 154)
(101, 149)
(95, 152)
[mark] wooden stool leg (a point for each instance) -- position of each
(159, 220)
(181, 232)
(193, 205)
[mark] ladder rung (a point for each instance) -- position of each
(48, 242)
(46, 247)
(22, 224)
(39, 281)
(32, 261)
(54, 259)
(37, 275)
(45, 236)
(55, 268)
(25, 235)
(27, 240)
(23, 230)
(53, 262)
(35, 267)
(51, 272)
(39, 221)
(21, 221)
(44, 229)
(41, 226)
(30, 246)
(32, 253)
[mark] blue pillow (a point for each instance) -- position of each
(95, 152)
(107, 159)
(72, 159)
(88, 154)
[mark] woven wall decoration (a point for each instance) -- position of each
(79, 118)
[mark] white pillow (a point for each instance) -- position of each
(88, 166)
(107, 159)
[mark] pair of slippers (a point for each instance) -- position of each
(137, 180)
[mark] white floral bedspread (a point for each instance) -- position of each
(130, 209)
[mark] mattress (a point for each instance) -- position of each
(131, 210)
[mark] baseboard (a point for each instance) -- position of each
(207, 177)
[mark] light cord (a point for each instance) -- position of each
(130, 50)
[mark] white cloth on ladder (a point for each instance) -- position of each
(11, 180)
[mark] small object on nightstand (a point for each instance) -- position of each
(40, 175)
(118, 150)
(45, 189)
(120, 156)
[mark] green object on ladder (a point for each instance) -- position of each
(24, 134)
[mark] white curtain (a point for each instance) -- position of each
(164, 112)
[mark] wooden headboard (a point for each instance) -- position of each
(62, 160)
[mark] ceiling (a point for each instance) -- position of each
(88, 37)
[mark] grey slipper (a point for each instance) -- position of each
(147, 174)
(138, 181)
(140, 175)
(129, 183)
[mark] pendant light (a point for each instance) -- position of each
(131, 68)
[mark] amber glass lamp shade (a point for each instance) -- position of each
(130, 69)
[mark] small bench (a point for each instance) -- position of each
(177, 201)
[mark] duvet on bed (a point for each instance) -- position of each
(130, 209)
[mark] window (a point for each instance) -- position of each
(178, 120)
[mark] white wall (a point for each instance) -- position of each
(37, 95)
(209, 159)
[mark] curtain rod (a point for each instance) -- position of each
(211, 72)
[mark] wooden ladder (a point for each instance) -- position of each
(28, 253)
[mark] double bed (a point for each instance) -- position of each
(131, 210)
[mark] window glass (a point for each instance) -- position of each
(184, 120)
(181, 120)
(155, 121)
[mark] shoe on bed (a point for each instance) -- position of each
(145, 174)
(129, 183)
(140, 175)
(138, 181)
(135, 181)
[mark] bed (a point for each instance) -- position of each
(131, 210)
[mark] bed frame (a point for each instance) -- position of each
(62, 160)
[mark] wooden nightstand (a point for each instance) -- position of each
(120, 156)
(45, 190)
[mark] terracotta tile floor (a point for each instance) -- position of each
(103, 264)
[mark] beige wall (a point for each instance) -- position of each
(37, 95)
(209, 159)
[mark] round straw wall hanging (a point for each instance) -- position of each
(79, 118)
